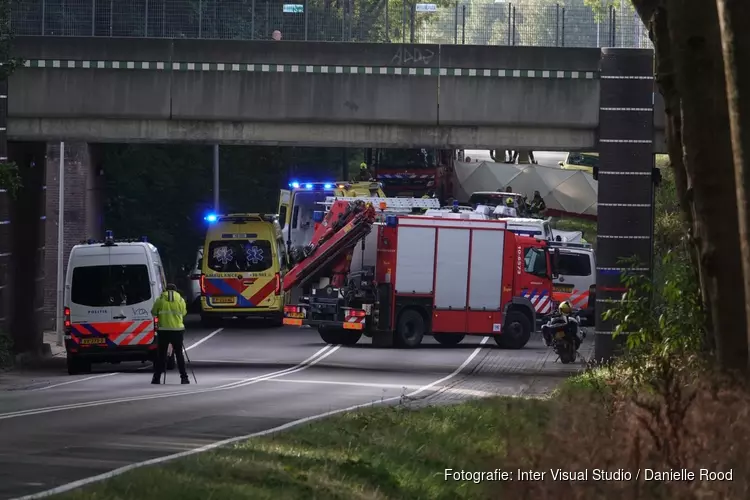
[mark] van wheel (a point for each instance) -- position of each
(409, 329)
(338, 336)
(76, 365)
(277, 321)
(449, 339)
(171, 362)
(516, 332)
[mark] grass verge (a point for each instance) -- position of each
(593, 422)
(380, 452)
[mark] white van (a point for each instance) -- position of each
(537, 228)
(110, 288)
(576, 267)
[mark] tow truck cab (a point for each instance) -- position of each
(298, 204)
(432, 276)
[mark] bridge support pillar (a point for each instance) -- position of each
(626, 190)
(27, 247)
(84, 209)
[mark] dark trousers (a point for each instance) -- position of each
(163, 339)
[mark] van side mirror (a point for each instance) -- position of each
(560, 164)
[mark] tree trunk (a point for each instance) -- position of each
(665, 79)
(734, 17)
(696, 51)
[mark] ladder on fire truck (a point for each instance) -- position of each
(392, 205)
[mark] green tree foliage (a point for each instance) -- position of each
(164, 192)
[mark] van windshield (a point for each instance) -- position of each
(239, 256)
(574, 264)
(106, 286)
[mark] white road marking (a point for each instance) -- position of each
(204, 339)
(218, 444)
(118, 373)
(312, 360)
(468, 392)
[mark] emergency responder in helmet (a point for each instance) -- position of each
(564, 308)
(364, 172)
(170, 309)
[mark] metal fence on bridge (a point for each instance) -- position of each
(527, 22)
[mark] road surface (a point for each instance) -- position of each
(57, 428)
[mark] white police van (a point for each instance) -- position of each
(110, 288)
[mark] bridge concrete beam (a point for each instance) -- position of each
(302, 134)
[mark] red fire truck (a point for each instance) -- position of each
(413, 172)
(417, 276)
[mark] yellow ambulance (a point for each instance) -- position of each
(244, 262)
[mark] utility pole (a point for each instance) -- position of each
(60, 246)
(216, 179)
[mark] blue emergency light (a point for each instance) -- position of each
(210, 218)
(327, 186)
(144, 239)
(455, 203)
(294, 185)
(317, 216)
(308, 186)
(391, 220)
(108, 234)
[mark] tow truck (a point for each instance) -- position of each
(418, 275)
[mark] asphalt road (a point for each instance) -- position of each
(57, 428)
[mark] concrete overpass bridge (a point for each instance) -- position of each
(265, 92)
(84, 90)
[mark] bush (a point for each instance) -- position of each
(6, 351)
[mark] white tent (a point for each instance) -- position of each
(569, 191)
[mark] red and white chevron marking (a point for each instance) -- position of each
(542, 304)
(355, 319)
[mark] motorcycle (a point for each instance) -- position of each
(565, 335)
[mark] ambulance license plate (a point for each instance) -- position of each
(223, 300)
(295, 315)
(562, 288)
(93, 340)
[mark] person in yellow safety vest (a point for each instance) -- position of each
(364, 172)
(427, 196)
(169, 309)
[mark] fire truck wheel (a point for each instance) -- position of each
(516, 333)
(337, 336)
(449, 339)
(410, 329)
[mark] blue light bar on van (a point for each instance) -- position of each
(391, 220)
(311, 185)
(210, 218)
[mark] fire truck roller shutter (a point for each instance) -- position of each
(415, 259)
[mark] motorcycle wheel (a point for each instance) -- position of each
(566, 352)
